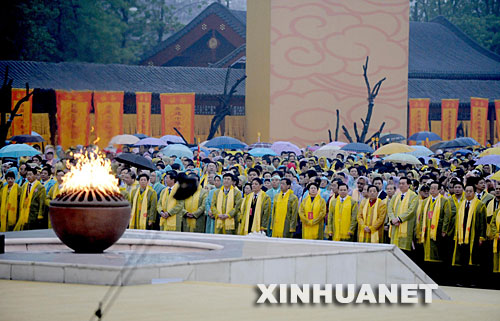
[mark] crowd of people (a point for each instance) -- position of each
(443, 214)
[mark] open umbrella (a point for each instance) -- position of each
(420, 151)
(393, 148)
(281, 146)
(328, 151)
(136, 160)
(177, 150)
(206, 151)
(490, 151)
(336, 143)
(391, 138)
(422, 136)
(151, 141)
(140, 136)
(27, 139)
(463, 152)
(259, 152)
(123, 140)
(260, 145)
(496, 176)
(402, 158)
(489, 159)
(18, 150)
(357, 148)
(173, 139)
(225, 142)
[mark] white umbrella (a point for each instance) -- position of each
(403, 158)
(328, 151)
(123, 140)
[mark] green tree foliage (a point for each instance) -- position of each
(479, 19)
(103, 31)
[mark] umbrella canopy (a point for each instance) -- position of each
(123, 140)
(496, 176)
(420, 151)
(497, 145)
(260, 145)
(403, 159)
(336, 143)
(422, 136)
(391, 138)
(177, 150)
(314, 148)
(172, 139)
(151, 141)
(328, 151)
(281, 146)
(18, 150)
(393, 148)
(467, 141)
(490, 151)
(140, 136)
(136, 160)
(206, 151)
(489, 159)
(259, 152)
(463, 151)
(357, 148)
(225, 142)
(33, 133)
(27, 139)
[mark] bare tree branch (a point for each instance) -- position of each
(337, 127)
(347, 135)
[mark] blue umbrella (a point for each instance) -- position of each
(177, 150)
(151, 141)
(259, 152)
(467, 141)
(18, 150)
(489, 159)
(422, 136)
(225, 142)
(357, 148)
(206, 151)
(463, 151)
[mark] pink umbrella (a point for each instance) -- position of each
(280, 146)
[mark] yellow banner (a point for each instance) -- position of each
(73, 109)
(21, 124)
(449, 118)
(479, 119)
(419, 115)
(177, 110)
(143, 112)
(108, 116)
(497, 110)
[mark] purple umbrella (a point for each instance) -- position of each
(281, 146)
(151, 141)
(489, 159)
(313, 148)
(260, 145)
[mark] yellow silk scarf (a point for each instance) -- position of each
(434, 219)
(495, 242)
(168, 202)
(490, 210)
(355, 195)
(311, 231)
(460, 221)
(374, 234)
(140, 222)
(280, 215)
(342, 218)
(26, 204)
(191, 205)
(403, 227)
(8, 210)
(455, 200)
(257, 215)
(228, 223)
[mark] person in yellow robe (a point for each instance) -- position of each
(170, 210)
(495, 231)
(312, 213)
(143, 205)
(194, 209)
(342, 216)
(9, 200)
(371, 216)
(226, 205)
(402, 211)
(32, 213)
(255, 210)
(470, 233)
(455, 201)
(285, 211)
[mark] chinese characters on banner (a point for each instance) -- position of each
(73, 109)
(143, 112)
(497, 110)
(478, 119)
(108, 116)
(21, 124)
(177, 110)
(449, 118)
(419, 115)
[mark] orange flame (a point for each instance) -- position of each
(92, 172)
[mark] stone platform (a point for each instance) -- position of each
(145, 257)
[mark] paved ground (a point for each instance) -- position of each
(21, 300)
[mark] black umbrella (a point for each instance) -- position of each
(136, 161)
(140, 136)
(391, 138)
(27, 139)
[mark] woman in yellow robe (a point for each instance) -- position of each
(312, 213)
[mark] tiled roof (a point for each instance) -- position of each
(233, 54)
(112, 77)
